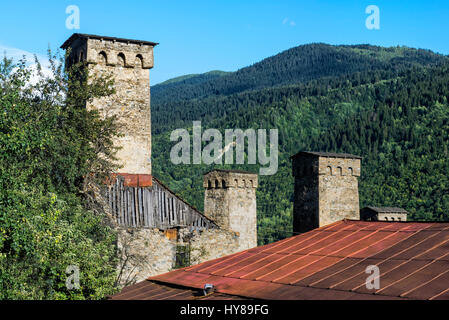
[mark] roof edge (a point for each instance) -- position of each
(326, 155)
(75, 36)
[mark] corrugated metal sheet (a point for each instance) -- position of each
(148, 290)
(328, 263)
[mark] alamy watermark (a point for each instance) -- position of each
(373, 20)
(73, 20)
(373, 281)
(189, 149)
(73, 277)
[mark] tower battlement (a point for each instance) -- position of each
(217, 179)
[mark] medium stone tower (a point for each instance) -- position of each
(230, 200)
(326, 189)
(129, 63)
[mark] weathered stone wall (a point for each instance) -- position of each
(338, 189)
(148, 252)
(209, 244)
(143, 253)
(391, 217)
(230, 200)
(128, 64)
(326, 191)
(306, 204)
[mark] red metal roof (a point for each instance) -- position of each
(325, 263)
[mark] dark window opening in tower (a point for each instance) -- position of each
(121, 60)
(139, 61)
(102, 58)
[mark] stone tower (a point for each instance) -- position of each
(230, 200)
(129, 63)
(326, 189)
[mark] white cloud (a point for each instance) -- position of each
(291, 23)
(17, 54)
(46, 72)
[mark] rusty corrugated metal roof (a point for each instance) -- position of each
(325, 263)
(148, 290)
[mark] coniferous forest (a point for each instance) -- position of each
(388, 105)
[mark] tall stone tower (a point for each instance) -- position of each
(230, 200)
(129, 63)
(326, 189)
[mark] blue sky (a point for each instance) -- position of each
(199, 36)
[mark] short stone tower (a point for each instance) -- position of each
(326, 189)
(230, 200)
(128, 62)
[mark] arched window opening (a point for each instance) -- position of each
(139, 61)
(216, 183)
(223, 184)
(329, 170)
(339, 171)
(350, 171)
(102, 58)
(209, 184)
(121, 60)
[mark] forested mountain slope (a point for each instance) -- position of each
(389, 105)
(302, 64)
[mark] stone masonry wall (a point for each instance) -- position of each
(230, 200)
(338, 189)
(148, 252)
(209, 244)
(305, 206)
(143, 253)
(128, 64)
(326, 190)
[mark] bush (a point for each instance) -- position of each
(52, 150)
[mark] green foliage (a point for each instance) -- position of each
(388, 105)
(49, 146)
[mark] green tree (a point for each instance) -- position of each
(52, 152)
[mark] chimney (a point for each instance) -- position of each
(326, 189)
(230, 200)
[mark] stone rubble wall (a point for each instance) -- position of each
(230, 201)
(129, 66)
(338, 190)
(326, 191)
(143, 253)
(209, 244)
(148, 252)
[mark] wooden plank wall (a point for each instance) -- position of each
(152, 207)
